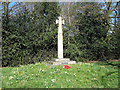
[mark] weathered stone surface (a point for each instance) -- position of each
(61, 59)
(60, 21)
(61, 62)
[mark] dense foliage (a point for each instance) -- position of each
(30, 36)
(91, 39)
(29, 33)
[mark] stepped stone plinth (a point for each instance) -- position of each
(61, 61)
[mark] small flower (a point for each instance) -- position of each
(17, 69)
(58, 69)
(51, 73)
(43, 70)
(13, 71)
(108, 70)
(94, 79)
(74, 74)
(10, 77)
(53, 80)
(102, 66)
(65, 72)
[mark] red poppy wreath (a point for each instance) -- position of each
(66, 66)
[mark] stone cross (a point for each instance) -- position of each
(60, 21)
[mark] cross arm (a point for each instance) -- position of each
(57, 21)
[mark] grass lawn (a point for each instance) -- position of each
(81, 75)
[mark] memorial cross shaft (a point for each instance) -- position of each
(60, 21)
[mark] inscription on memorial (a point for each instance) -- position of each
(64, 62)
(60, 36)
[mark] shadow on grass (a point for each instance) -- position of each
(111, 63)
(105, 78)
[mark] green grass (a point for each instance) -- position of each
(82, 75)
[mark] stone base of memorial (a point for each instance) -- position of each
(61, 61)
